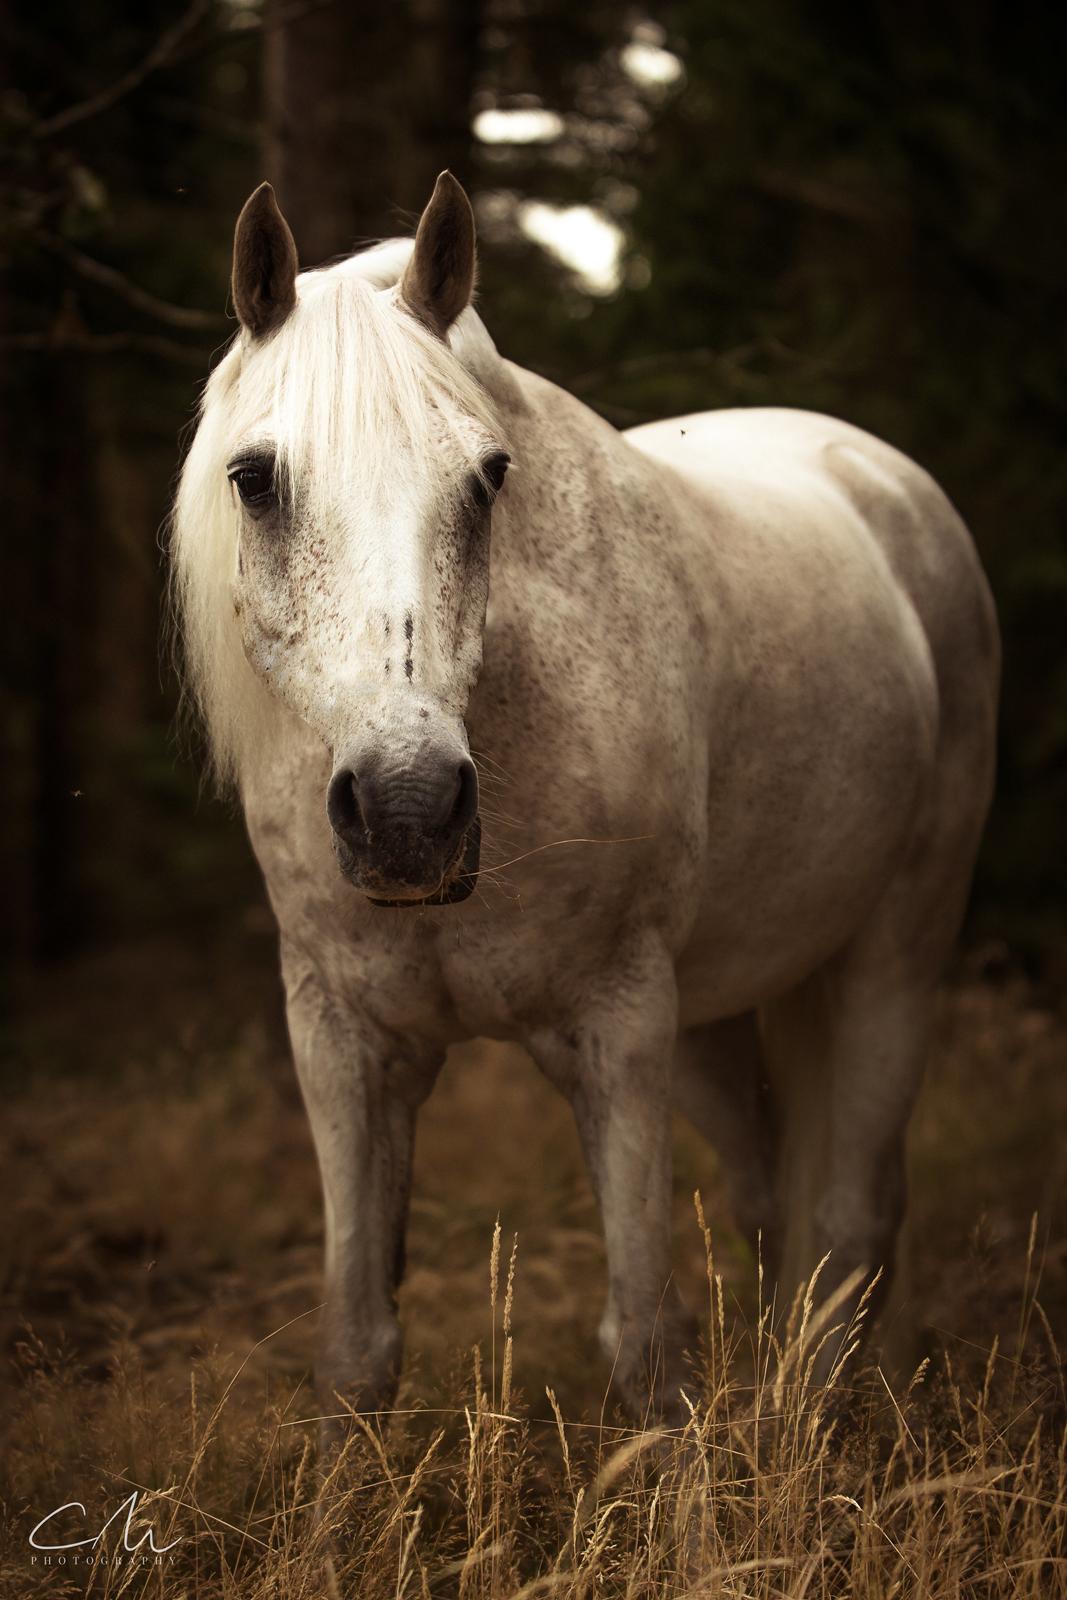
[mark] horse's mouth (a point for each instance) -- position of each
(458, 880)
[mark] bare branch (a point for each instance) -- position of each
(103, 344)
(110, 278)
(162, 52)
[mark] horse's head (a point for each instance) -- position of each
(364, 461)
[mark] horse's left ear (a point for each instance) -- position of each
(264, 264)
(439, 279)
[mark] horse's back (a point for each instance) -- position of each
(756, 440)
(744, 454)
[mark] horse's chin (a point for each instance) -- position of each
(457, 882)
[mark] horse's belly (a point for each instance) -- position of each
(733, 963)
(802, 845)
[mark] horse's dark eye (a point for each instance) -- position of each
(495, 468)
(254, 482)
(489, 481)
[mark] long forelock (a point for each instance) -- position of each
(349, 387)
(346, 389)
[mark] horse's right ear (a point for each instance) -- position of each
(264, 264)
(439, 279)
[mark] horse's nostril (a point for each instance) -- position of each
(439, 804)
(342, 802)
(465, 803)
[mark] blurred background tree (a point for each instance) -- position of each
(853, 208)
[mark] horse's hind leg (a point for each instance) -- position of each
(846, 1052)
(851, 1048)
(720, 1087)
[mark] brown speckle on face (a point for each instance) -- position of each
(409, 634)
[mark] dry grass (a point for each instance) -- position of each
(161, 1275)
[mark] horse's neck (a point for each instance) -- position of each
(582, 507)
(549, 429)
(576, 479)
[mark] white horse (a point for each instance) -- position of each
(729, 682)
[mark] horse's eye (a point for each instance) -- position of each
(495, 468)
(489, 481)
(255, 483)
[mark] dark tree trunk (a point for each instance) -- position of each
(50, 584)
(364, 106)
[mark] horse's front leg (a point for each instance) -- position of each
(613, 1059)
(362, 1088)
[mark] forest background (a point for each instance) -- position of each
(850, 208)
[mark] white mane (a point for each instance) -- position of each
(346, 390)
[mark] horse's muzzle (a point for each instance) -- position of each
(407, 836)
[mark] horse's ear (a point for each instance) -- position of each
(439, 279)
(264, 264)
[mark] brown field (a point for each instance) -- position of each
(161, 1273)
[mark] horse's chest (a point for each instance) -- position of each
(494, 983)
(483, 980)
